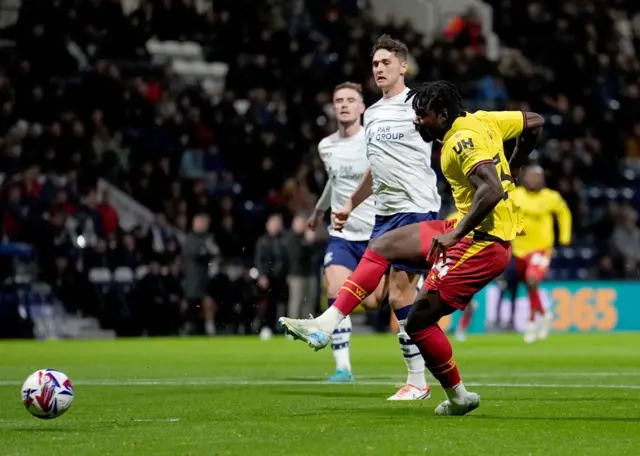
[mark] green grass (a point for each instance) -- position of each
(569, 395)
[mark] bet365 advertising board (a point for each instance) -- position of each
(579, 306)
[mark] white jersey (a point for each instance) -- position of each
(403, 180)
(345, 160)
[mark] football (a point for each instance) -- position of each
(47, 393)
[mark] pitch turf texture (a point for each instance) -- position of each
(569, 395)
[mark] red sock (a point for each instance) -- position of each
(466, 319)
(362, 282)
(535, 304)
(438, 355)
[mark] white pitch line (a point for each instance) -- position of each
(240, 382)
(157, 420)
(499, 375)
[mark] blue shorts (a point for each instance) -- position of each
(344, 253)
(386, 223)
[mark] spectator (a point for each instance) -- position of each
(626, 241)
(108, 214)
(128, 254)
(98, 256)
(271, 263)
(305, 249)
(157, 308)
(198, 252)
(69, 285)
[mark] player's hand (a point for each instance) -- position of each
(440, 244)
(314, 219)
(341, 216)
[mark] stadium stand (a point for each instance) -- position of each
(116, 129)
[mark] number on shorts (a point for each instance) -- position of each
(442, 267)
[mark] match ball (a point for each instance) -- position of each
(47, 393)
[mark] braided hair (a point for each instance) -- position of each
(437, 96)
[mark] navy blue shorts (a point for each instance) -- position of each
(344, 253)
(386, 223)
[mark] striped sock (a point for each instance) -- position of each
(410, 352)
(340, 343)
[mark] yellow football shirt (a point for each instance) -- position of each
(538, 209)
(455, 215)
(473, 140)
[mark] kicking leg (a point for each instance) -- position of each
(408, 244)
(399, 245)
(422, 326)
(402, 294)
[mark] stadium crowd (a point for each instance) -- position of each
(81, 99)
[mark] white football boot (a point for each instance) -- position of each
(411, 393)
(447, 408)
(545, 325)
(306, 330)
(530, 333)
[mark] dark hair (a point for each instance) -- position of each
(437, 96)
(389, 44)
(349, 85)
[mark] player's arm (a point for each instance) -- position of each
(489, 192)
(363, 191)
(563, 215)
(526, 141)
(324, 203)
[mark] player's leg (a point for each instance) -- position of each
(537, 266)
(402, 244)
(403, 279)
(465, 321)
(471, 266)
(398, 245)
(521, 265)
(437, 352)
(335, 275)
(402, 294)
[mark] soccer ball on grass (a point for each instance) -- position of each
(47, 393)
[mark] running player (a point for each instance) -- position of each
(532, 253)
(345, 160)
(404, 185)
(466, 254)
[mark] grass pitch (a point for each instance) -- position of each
(569, 395)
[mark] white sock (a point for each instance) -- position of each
(340, 344)
(457, 395)
(330, 319)
(412, 358)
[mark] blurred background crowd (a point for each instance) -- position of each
(158, 158)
